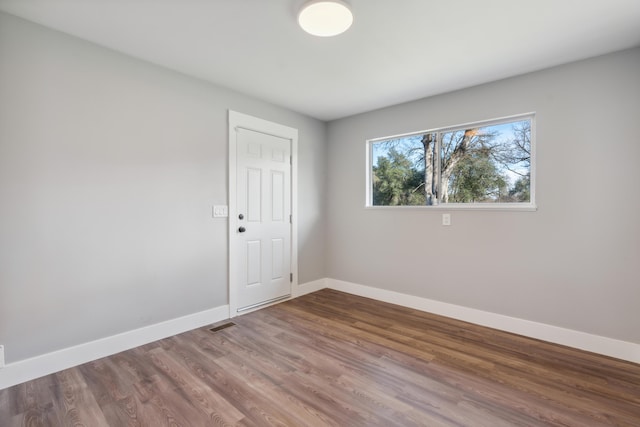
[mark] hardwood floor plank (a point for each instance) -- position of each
(213, 405)
(333, 359)
(74, 401)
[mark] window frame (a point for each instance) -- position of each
(514, 206)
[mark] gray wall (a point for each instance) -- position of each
(109, 167)
(573, 263)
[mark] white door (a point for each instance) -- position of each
(262, 224)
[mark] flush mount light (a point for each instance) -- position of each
(325, 18)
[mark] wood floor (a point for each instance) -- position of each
(333, 359)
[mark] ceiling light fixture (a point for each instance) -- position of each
(325, 18)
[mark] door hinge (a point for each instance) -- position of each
(291, 160)
(290, 219)
(291, 277)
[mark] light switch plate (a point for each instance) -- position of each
(220, 211)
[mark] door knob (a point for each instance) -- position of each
(242, 229)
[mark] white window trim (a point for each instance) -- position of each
(530, 206)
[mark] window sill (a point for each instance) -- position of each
(520, 207)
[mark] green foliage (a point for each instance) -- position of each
(521, 190)
(472, 165)
(396, 182)
(476, 179)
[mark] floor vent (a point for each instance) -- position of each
(221, 327)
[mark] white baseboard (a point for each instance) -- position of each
(597, 344)
(28, 369)
(35, 367)
(309, 287)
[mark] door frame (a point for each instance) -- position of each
(244, 121)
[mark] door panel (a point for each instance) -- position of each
(277, 196)
(277, 259)
(264, 202)
(254, 257)
(254, 195)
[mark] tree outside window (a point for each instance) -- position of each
(482, 163)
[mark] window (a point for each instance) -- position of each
(486, 164)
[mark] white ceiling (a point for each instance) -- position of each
(396, 50)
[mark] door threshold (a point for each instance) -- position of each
(263, 303)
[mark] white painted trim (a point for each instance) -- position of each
(530, 206)
(35, 367)
(294, 213)
(298, 291)
(28, 369)
(309, 287)
(516, 207)
(239, 120)
(594, 343)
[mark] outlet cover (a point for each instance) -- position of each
(1, 356)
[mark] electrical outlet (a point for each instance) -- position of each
(446, 219)
(1, 356)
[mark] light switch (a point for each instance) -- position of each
(220, 211)
(446, 219)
